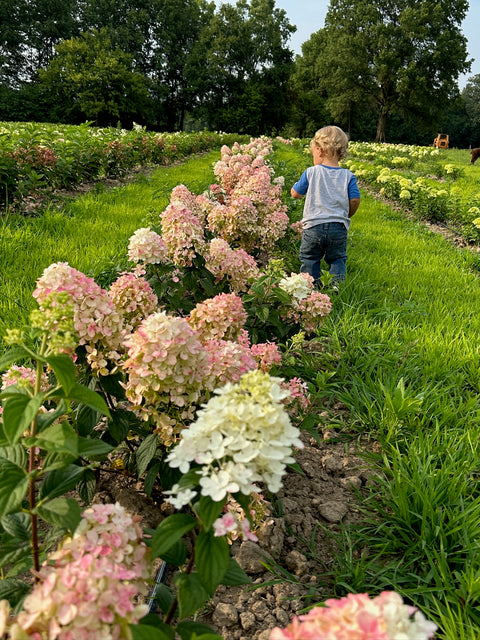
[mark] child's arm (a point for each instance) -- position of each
(295, 194)
(354, 203)
(300, 188)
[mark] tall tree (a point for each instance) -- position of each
(12, 15)
(399, 56)
(90, 79)
(248, 66)
(308, 109)
(471, 96)
(177, 58)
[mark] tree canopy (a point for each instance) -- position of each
(386, 68)
(392, 56)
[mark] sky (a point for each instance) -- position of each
(309, 16)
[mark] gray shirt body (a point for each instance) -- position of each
(327, 195)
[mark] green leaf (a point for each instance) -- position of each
(189, 479)
(55, 460)
(212, 556)
(258, 289)
(65, 371)
(176, 555)
(263, 313)
(92, 399)
(13, 590)
(23, 565)
(208, 510)
(86, 420)
(89, 447)
(169, 531)
(282, 295)
(61, 512)
(150, 477)
(16, 454)
(13, 355)
(13, 390)
(235, 574)
(17, 525)
(13, 552)
(120, 424)
(146, 452)
(87, 486)
(3, 438)
(191, 594)
(18, 413)
(13, 488)
(58, 482)
(147, 632)
(58, 437)
(187, 628)
(164, 598)
(44, 420)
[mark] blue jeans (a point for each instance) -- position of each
(327, 241)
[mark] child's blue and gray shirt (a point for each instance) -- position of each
(328, 192)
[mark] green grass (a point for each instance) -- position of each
(405, 330)
(91, 233)
(408, 327)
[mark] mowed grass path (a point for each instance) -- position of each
(91, 232)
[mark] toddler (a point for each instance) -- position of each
(332, 198)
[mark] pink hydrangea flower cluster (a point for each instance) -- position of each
(23, 376)
(134, 297)
(97, 321)
(252, 215)
(147, 247)
(182, 196)
(297, 227)
(309, 311)
(359, 617)
(236, 222)
(299, 398)
(182, 232)
(220, 317)
(267, 198)
(235, 265)
(266, 355)
(166, 362)
(284, 140)
(87, 587)
(227, 362)
(228, 523)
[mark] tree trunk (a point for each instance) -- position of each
(381, 124)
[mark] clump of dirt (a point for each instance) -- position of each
(318, 496)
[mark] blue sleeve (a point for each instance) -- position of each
(353, 190)
(302, 185)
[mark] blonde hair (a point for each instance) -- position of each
(332, 141)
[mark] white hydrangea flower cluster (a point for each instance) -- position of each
(298, 285)
(243, 435)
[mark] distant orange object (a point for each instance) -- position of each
(441, 141)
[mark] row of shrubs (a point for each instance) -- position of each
(38, 158)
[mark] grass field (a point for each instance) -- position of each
(406, 323)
